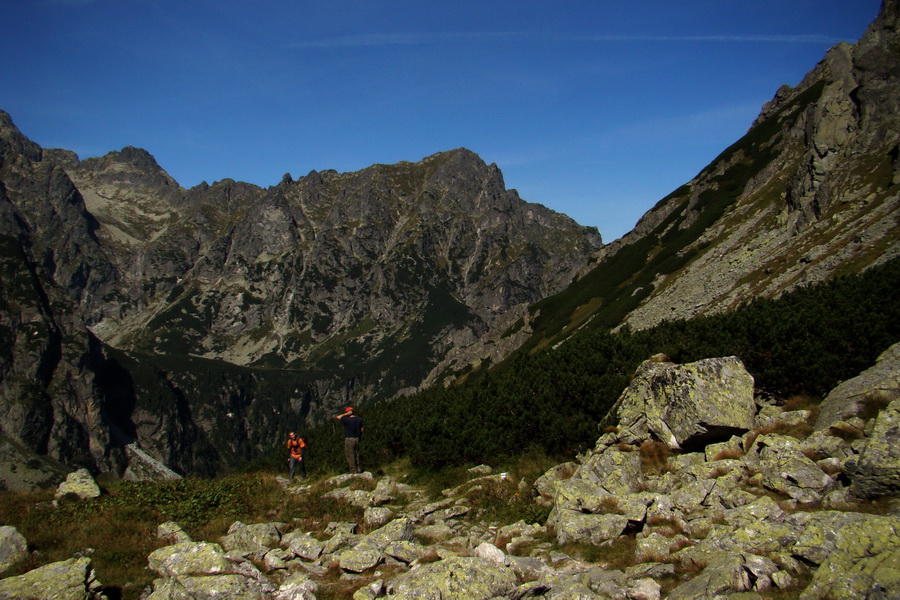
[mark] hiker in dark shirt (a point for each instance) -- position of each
(353, 428)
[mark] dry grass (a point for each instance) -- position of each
(800, 431)
(665, 526)
(871, 405)
(609, 506)
(730, 454)
(801, 402)
(430, 556)
(619, 553)
(654, 458)
(118, 529)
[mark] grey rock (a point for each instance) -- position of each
(297, 586)
(302, 544)
(864, 563)
(172, 533)
(253, 540)
(457, 578)
(13, 547)
(880, 382)
(72, 579)
(189, 558)
(692, 404)
(79, 483)
(369, 552)
(726, 574)
(876, 471)
(573, 526)
(143, 467)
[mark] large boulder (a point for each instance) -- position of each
(202, 571)
(880, 382)
(80, 483)
(253, 540)
(688, 405)
(876, 470)
(72, 579)
(457, 578)
(189, 558)
(143, 467)
(864, 563)
(302, 544)
(784, 468)
(13, 547)
(369, 552)
(727, 574)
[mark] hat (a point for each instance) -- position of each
(349, 409)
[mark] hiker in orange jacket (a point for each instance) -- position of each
(295, 448)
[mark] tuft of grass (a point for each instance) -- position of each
(609, 506)
(800, 431)
(801, 402)
(871, 405)
(617, 554)
(665, 526)
(502, 500)
(730, 454)
(654, 457)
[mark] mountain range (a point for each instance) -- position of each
(200, 324)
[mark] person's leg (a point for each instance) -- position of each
(291, 461)
(302, 469)
(351, 450)
(348, 453)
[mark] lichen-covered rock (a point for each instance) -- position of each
(72, 579)
(189, 558)
(377, 516)
(360, 498)
(456, 578)
(171, 533)
(13, 547)
(302, 544)
(297, 586)
(575, 526)
(405, 552)
(881, 381)
(864, 564)
(876, 471)
(369, 552)
(786, 469)
(614, 471)
(726, 574)
(681, 405)
(818, 532)
(253, 540)
(546, 484)
(208, 587)
(80, 483)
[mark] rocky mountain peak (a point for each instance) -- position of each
(809, 192)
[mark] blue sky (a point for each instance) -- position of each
(594, 108)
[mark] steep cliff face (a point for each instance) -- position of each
(201, 323)
(373, 276)
(810, 192)
(51, 265)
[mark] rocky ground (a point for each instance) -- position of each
(699, 491)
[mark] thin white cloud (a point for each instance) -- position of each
(410, 39)
(71, 2)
